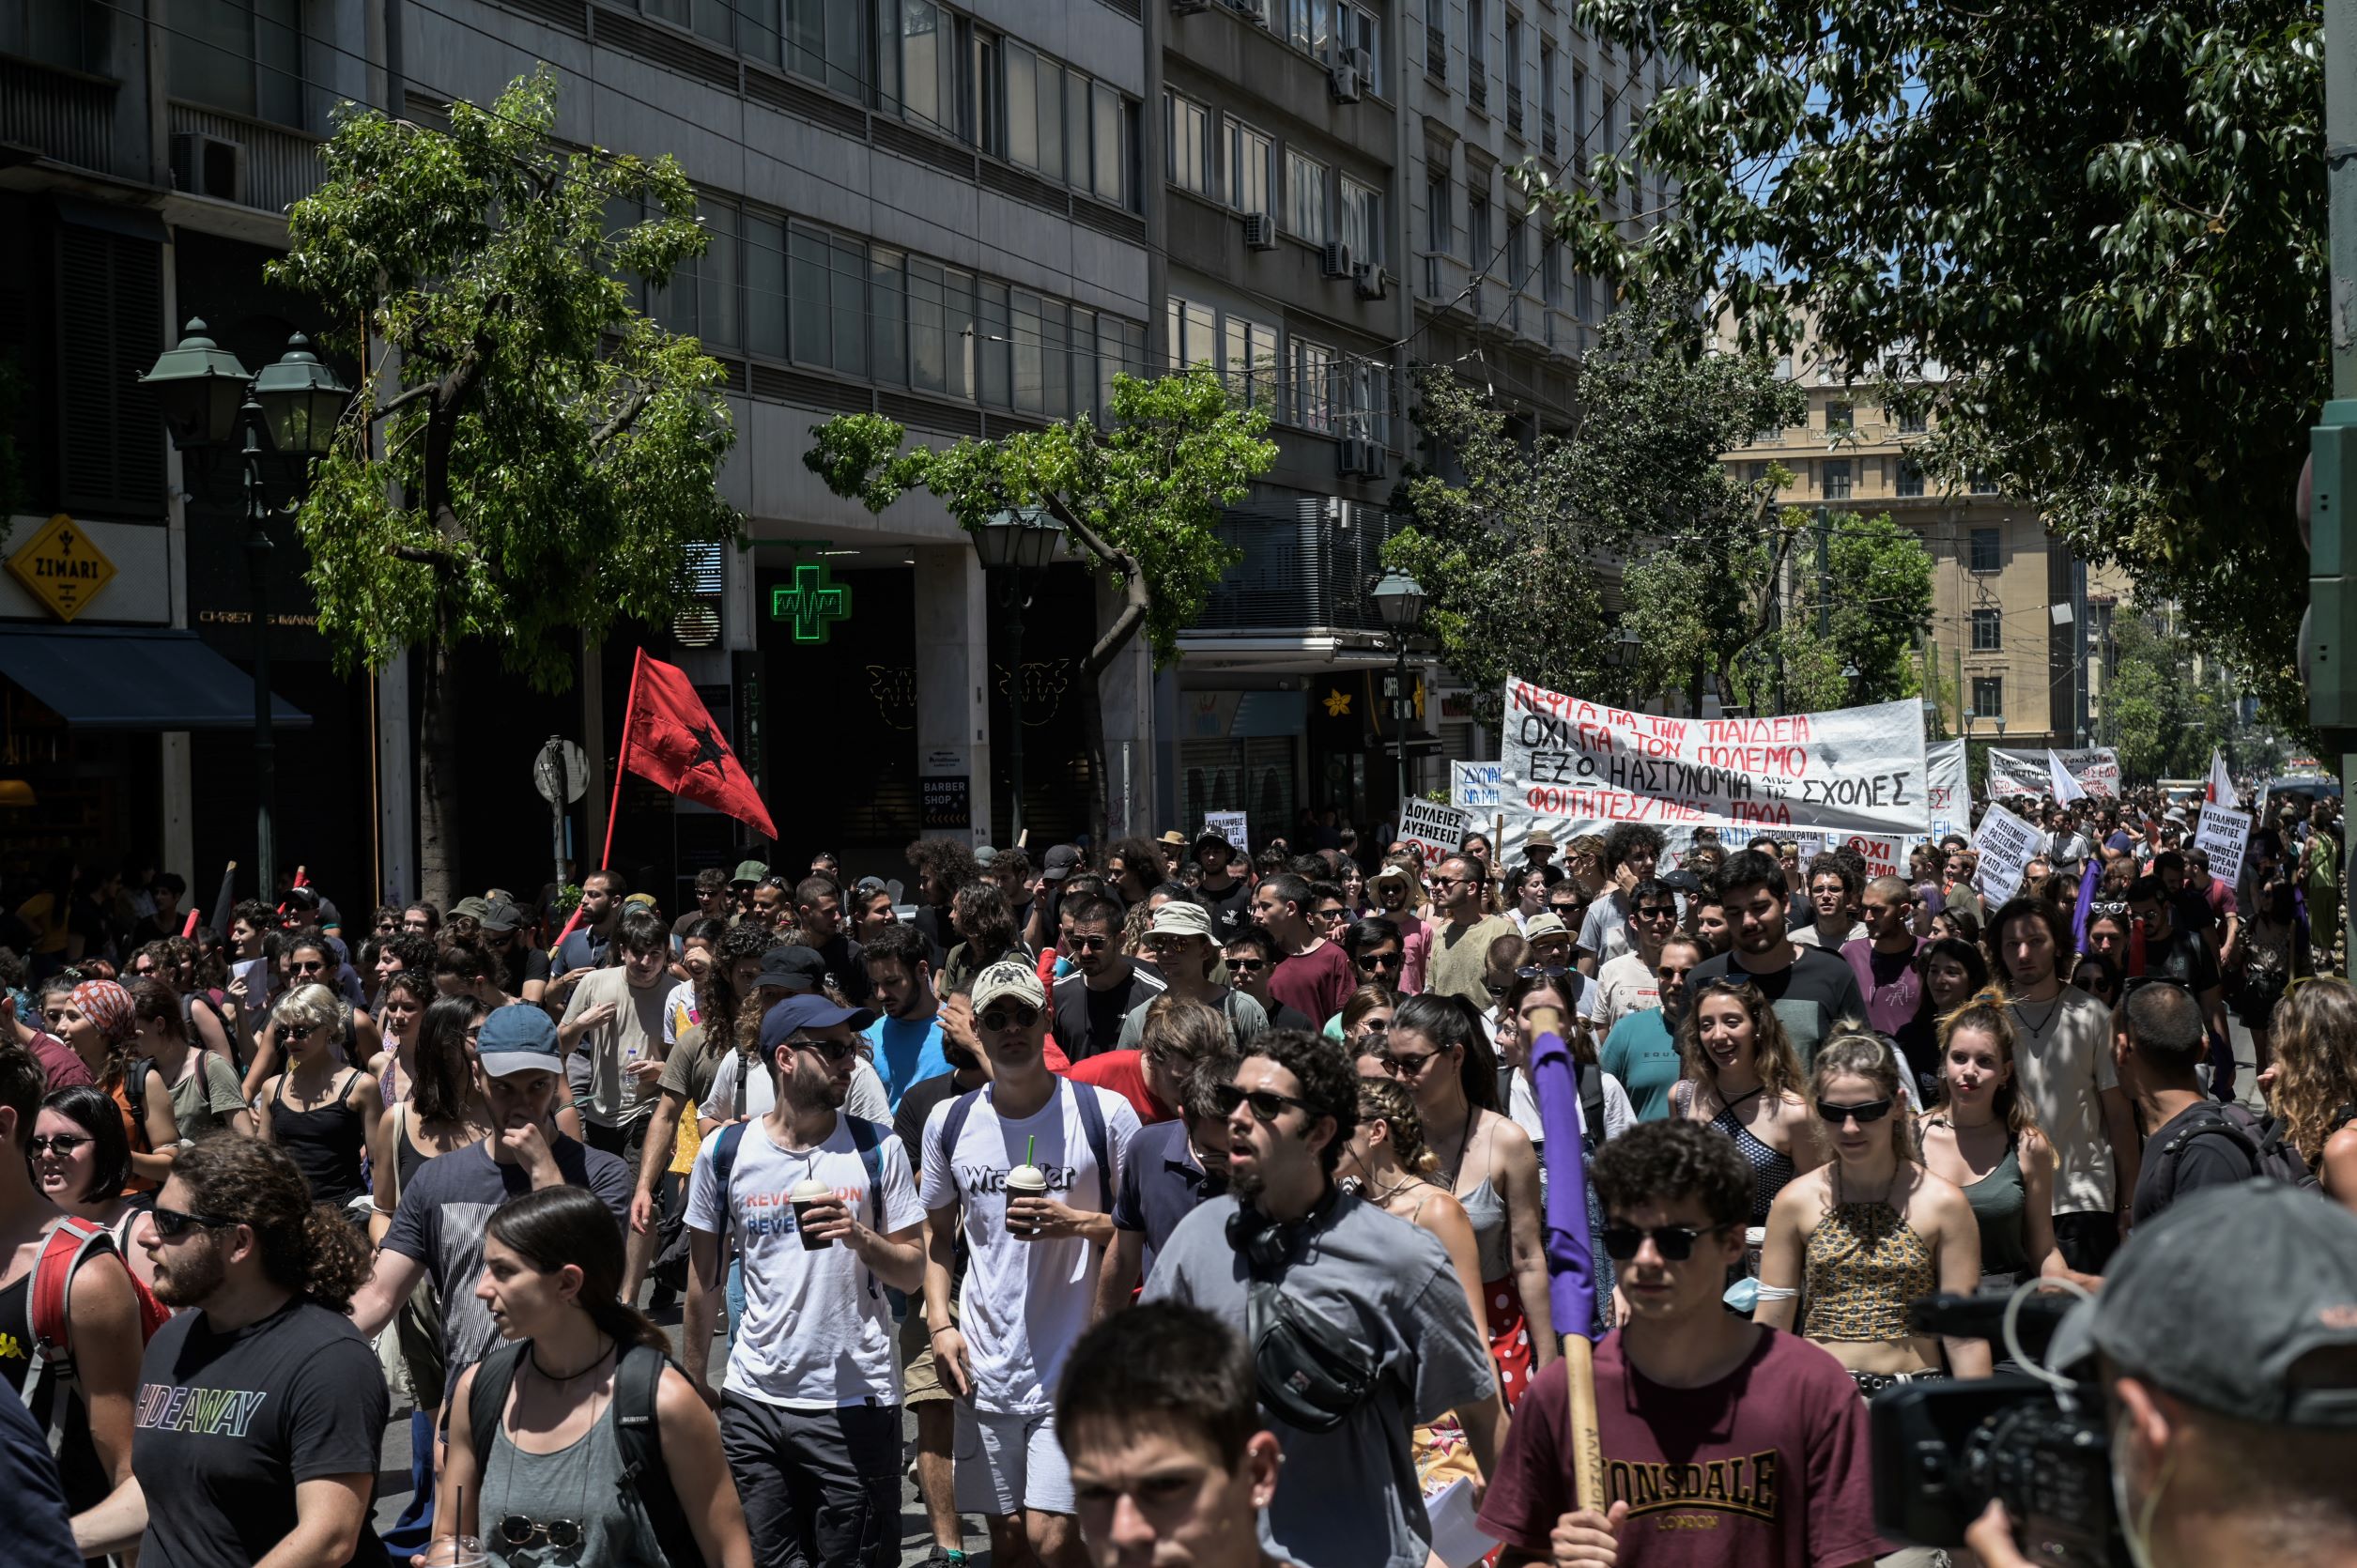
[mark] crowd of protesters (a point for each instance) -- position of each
(925, 1160)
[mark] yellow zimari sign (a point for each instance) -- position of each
(1337, 703)
(61, 568)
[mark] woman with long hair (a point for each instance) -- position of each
(1742, 1078)
(80, 1157)
(439, 1110)
(401, 1004)
(173, 960)
(1365, 1020)
(206, 1095)
(552, 1487)
(2312, 1086)
(322, 1112)
(2099, 976)
(1983, 1137)
(99, 1020)
(1437, 1051)
(1852, 1243)
(1954, 970)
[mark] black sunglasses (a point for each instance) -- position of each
(1246, 966)
(171, 1222)
(59, 1144)
(1540, 971)
(1382, 961)
(1866, 1112)
(1675, 1243)
(1010, 1017)
(834, 1051)
(1267, 1104)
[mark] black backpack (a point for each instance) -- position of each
(635, 1433)
(2261, 1143)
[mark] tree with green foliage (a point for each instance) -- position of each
(1509, 536)
(535, 457)
(2107, 222)
(1141, 498)
(2160, 712)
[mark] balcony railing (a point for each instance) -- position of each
(1305, 567)
(63, 115)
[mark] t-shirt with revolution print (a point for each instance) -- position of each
(816, 1332)
(1766, 1467)
(227, 1425)
(1025, 1303)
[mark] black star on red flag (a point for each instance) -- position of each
(669, 737)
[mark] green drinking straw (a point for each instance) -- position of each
(1031, 1150)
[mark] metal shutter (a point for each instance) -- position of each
(110, 329)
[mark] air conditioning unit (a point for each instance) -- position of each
(1337, 259)
(206, 165)
(1187, 8)
(1343, 81)
(1260, 232)
(1256, 9)
(1358, 59)
(1360, 459)
(1370, 280)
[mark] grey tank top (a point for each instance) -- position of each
(1486, 1211)
(582, 1483)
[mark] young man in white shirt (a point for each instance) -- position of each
(1031, 1264)
(809, 1404)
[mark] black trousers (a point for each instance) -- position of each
(821, 1488)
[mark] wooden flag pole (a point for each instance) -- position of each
(1587, 1438)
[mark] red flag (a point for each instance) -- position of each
(668, 736)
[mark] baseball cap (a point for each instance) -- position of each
(1181, 917)
(792, 968)
(1542, 926)
(809, 1011)
(985, 854)
(1538, 839)
(1009, 978)
(500, 916)
(1209, 837)
(748, 872)
(519, 1039)
(1060, 863)
(2217, 1298)
(471, 906)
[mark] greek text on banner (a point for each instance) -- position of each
(1576, 767)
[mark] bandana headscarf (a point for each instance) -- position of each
(108, 1006)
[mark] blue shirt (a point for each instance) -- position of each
(40, 1535)
(906, 1052)
(1642, 1054)
(1161, 1185)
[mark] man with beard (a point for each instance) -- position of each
(438, 1229)
(1810, 989)
(1642, 1049)
(1382, 1294)
(2226, 1341)
(818, 907)
(260, 1410)
(906, 1040)
(1628, 982)
(1174, 1167)
(1092, 1002)
(811, 1403)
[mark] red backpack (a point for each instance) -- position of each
(68, 1246)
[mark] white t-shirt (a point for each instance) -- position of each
(679, 1012)
(1807, 936)
(816, 1332)
(1629, 985)
(1026, 1303)
(867, 1099)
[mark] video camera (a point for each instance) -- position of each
(1944, 1451)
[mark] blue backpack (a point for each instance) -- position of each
(864, 1136)
(1093, 1127)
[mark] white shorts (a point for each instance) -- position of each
(1008, 1462)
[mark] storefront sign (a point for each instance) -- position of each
(61, 568)
(946, 801)
(812, 603)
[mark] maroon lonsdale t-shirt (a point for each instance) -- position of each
(1766, 1467)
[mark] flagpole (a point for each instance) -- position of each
(621, 765)
(1586, 1431)
(1572, 1284)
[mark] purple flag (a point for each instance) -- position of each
(1570, 1259)
(2081, 912)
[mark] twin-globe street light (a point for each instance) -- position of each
(1399, 599)
(294, 406)
(1017, 541)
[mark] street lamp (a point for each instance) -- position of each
(1012, 544)
(291, 408)
(1399, 600)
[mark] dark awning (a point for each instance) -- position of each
(133, 678)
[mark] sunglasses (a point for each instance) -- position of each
(298, 1031)
(2107, 906)
(1382, 961)
(1087, 944)
(1246, 966)
(1010, 1017)
(564, 1534)
(1542, 972)
(316, 966)
(1409, 1064)
(1456, 882)
(1267, 1104)
(1866, 1112)
(1675, 1243)
(834, 1051)
(1644, 912)
(172, 1222)
(59, 1144)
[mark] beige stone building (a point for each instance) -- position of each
(2007, 602)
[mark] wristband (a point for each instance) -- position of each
(943, 1330)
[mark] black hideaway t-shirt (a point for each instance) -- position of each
(229, 1424)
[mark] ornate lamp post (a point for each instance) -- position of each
(1013, 544)
(1399, 600)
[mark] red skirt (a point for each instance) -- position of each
(1509, 1338)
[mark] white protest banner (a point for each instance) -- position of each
(1433, 831)
(1950, 795)
(1230, 826)
(2224, 833)
(1575, 768)
(2028, 772)
(2006, 845)
(1473, 786)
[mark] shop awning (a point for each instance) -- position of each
(132, 678)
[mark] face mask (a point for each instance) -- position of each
(2136, 1524)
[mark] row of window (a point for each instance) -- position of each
(1315, 203)
(1296, 379)
(785, 290)
(1837, 480)
(1532, 262)
(1618, 104)
(1328, 30)
(1841, 414)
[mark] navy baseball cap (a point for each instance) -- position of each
(809, 1011)
(792, 968)
(519, 1039)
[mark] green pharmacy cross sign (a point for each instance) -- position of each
(812, 603)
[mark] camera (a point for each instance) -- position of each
(1944, 1451)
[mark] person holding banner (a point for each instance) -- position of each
(1722, 1442)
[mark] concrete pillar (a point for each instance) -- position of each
(396, 784)
(953, 665)
(1126, 692)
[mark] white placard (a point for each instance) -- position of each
(1229, 825)
(1474, 786)
(2006, 845)
(2028, 772)
(1432, 830)
(1951, 793)
(2225, 835)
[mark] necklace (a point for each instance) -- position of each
(2040, 1027)
(595, 1361)
(1385, 1195)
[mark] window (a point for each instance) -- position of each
(826, 40)
(919, 64)
(243, 56)
(1551, 272)
(1983, 483)
(1479, 252)
(1583, 297)
(1476, 52)
(1547, 97)
(1987, 631)
(1837, 478)
(1841, 416)
(67, 33)
(766, 286)
(1252, 169)
(1187, 132)
(1518, 266)
(1913, 422)
(1306, 197)
(1987, 549)
(1249, 368)
(1580, 114)
(1356, 28)
(1309, 24)
(1034, 114)
(1435, 40)
(1115, 122)
(1988, 696)
(1362, 212)
(1755, 473)
(887, 317)
(1767, 435)
(1313, 386)
(940, 328)
(1194, 335)
(1363, 401)
(1514, 73)
(1910, 478)
(1439, 231)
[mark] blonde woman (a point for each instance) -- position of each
(322, 1112)
(1853, 1242)
(1742, 1079)
(2312, 1084)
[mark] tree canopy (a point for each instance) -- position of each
(2098, 229)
